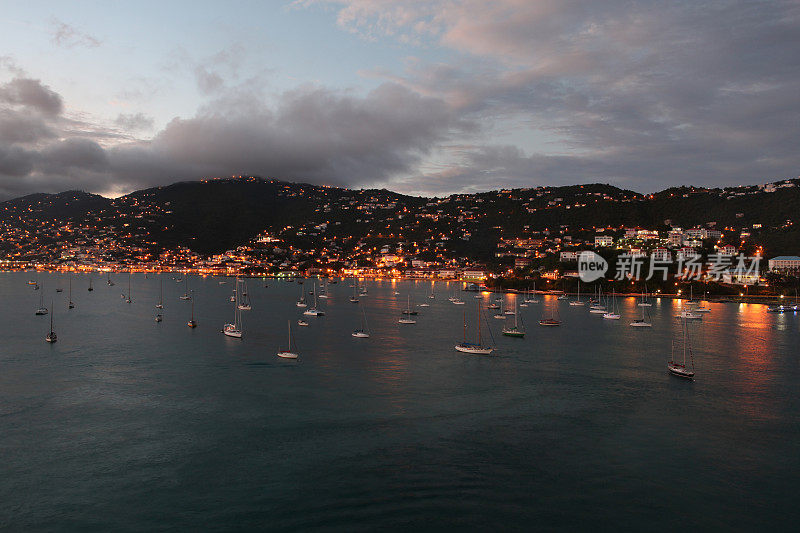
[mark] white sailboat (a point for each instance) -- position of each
(598, 308)
(578, 301)
(128, 299)
(71, 305)
(614, 313)
(679, 368)
(301, 303)
(186, 295)
(234, 329)
(363, 331)
(42, 310)
(288, 353)
(532, 299)
(314, 311)
(469, 347)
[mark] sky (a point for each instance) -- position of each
(426, 98)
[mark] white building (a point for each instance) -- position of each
(568, 256)
(784, 262)
(601, 241)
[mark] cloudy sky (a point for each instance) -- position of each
(428, 97)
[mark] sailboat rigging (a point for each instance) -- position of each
(473, 348)
(51, 337)
(288, 353)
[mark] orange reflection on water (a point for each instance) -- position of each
(750, 347)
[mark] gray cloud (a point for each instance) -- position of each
(134, 122)
(645, 93)
(16, 127)
(32, 94)
(311, 133)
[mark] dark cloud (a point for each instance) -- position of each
(32, 94)
(310, 134)
(16, 127)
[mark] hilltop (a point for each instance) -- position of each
(214, 216)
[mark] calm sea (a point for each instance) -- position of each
(129, 425)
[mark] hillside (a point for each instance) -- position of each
(212, 216)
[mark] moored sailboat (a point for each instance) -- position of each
(514, 331)
(234, 329)
(472, 348)
(288, 353)
(51, 337)
(679, 368)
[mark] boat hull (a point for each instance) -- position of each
(473, 349)
(287, 355)
(680, 371)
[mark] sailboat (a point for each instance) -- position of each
(128, 299)
(71, 305)
(244, 304)
(577, 302)
(314, 311)
(645, 302)
(643, 322)
(500, 315)
(234, 329)
(354, 297)
(688, 313)
(598, 308)
(192, 323)
(186, 295)
(90, 289)
(51, 337)
(42, 309)
(532, 299)
(302, 301)
(432, 295)
(363, 331)
(679, 369)
(614, 313)
(469, 347)
(59, 289)
(514, 331)
(551, 320)
(288, 353)
(160, 304)
(108, 280)
(407, 312)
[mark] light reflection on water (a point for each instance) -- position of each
(391, 431)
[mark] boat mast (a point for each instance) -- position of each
(480, 343)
